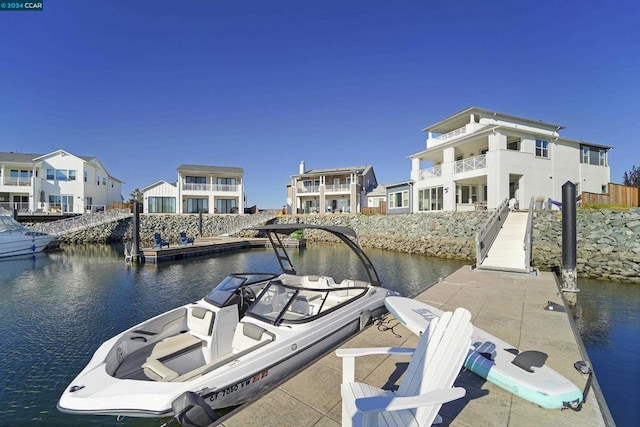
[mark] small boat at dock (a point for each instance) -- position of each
(249, 334)
(17, 240)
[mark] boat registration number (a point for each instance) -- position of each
(239, 386)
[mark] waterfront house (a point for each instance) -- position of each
(330, 190)
(56, 182)
(477, 158)
(206, 189)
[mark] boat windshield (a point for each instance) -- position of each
(7, 223)
(228, 290)
(279, 302)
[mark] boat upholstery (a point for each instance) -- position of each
(248, 337)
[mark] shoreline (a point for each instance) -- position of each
(608, 241)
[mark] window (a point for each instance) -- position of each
(226, 181)
(513, 144)
(104, 181)
(430, 199)
(197, 205)
(399, 199)
(593, 156)
(467, 194)
(162, 205)
(542, 148)
(61, 175)
(225, 206)
(195, 179)
(85, 176)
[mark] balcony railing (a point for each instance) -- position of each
(470, 164)
(429, 173)
(449, 135)
(210, 187)
(309, 189)
(20, 182)
(335, 188)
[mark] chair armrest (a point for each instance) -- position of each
(394, 403)
(356, 352)
(349, 354)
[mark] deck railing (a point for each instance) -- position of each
(487, 234)
(470, 164)
(423, 174)
(528, 240)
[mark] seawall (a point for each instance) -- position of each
(608, 241)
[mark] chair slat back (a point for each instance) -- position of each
(438, 359)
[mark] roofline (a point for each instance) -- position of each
(468, 110)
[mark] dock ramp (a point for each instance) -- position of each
(506, 243)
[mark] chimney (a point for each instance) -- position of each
(302, 167)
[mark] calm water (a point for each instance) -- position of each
(56, 309)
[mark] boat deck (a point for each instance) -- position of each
(510, 306)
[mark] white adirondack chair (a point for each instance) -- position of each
(427, 382)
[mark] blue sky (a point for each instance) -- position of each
(148, 85)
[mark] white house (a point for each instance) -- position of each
(57, 182)
(476, 158)
(330, 190)
(206, 189)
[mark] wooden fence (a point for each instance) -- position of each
(381, 210)
(617, 195)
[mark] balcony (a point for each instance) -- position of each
(337, 188)
(205, 188)
(467, 129)
(470, 164)
(308, 189)
(19, 182)
(424, 174)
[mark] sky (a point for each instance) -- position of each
(146, 86)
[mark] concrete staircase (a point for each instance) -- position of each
(507, 253)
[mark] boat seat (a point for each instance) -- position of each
(175, 345)
(248, 337)
(157, 371)
(200, 325)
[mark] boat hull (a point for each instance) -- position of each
(18, 244)
(237, 382)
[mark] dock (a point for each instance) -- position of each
(508, 305)
(212, 245)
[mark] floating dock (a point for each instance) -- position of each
(510, 306)
(212, 245)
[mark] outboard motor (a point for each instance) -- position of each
(191, 410)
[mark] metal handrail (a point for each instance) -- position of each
(528, 237)
(487, 234)
(81, 222)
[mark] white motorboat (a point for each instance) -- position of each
(16, 239)
(250, 333)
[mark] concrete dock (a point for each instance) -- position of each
(507, 305)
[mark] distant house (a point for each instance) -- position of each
(477, 158)
(377, 197)
(330, 190)
(57, 182)
(399, 197)
(206, 189)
